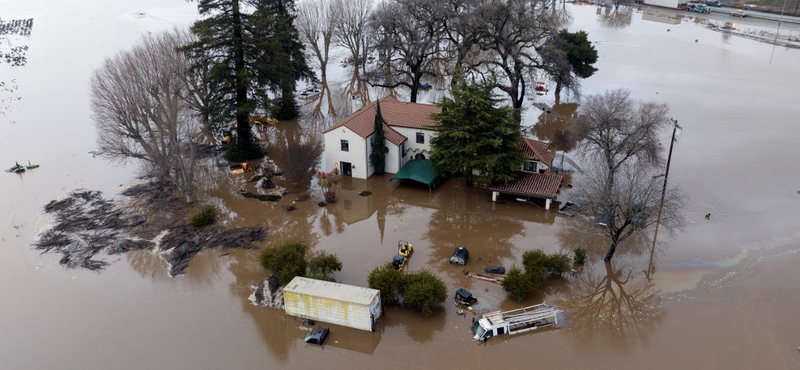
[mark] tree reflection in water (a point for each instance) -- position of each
(602, 296)
(616, 18)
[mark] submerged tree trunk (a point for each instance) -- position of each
(242, 124)
(558, 92)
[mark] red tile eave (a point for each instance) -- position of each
(539, 185)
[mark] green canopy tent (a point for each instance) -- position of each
(419, 170)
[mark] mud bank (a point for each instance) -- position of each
(151, 217)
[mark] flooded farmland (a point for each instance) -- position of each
(724, 294)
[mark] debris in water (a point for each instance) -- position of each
(365, 193)
(85, 224)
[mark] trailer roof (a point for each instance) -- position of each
(334, 291)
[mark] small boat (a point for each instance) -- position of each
(310, 93)
(17, 168)
(31, 166)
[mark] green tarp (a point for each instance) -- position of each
(419, 170)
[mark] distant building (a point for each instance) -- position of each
(408, 129)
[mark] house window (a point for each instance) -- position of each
(420, 138)
(403, 150)
(345, 146)
(530, 166)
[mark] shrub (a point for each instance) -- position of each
(580, 256)
(324, 264)
(285, 260)
(205, 215)
(242, 153)
(424, 291)
(518, 284)
(559, 263)
(388, 280)
(538, 266)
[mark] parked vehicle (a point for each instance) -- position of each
(460, 256)
(317, 336)
(500, 270)
(604, 215)
(698, 8)
(404, 248)
(309, 93)
(739, 13)
(399, 262)
(573, 206)
(465, 297)
(514, 321)
(716, 3)
(424, 86)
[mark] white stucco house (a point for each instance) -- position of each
(408, 129)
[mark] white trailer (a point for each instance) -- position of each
(515, 321)
(673, 4)
(335, 303)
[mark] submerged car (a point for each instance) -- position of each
(573, 206)
(309, 93)
(500, 270)
(464, 297)
(317, 336)
(399, 262)
(460, 256)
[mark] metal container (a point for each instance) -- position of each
(334, 303)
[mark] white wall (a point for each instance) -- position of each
(412, 148)
(356, 156)
(392, 158)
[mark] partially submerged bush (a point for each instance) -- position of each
(420, 290)
(323, 265)
(388, 280)
(538, 266)
(205, 215)
(285, 260)
(517, 284)
(424, 291)
(580, 256)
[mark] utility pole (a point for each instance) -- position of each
(675, 128)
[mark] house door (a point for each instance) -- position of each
(347, 169)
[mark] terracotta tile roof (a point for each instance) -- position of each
(538, 151)
(391, 135)
(395, 113)
(531, 184)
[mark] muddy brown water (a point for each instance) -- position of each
(724, 293)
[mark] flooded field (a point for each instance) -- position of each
(724, 294)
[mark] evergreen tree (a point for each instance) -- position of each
(475, 136)
(251, 57)
(378, 156)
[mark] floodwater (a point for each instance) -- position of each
(724, 294)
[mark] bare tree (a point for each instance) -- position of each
(413, 43)
(139, 106)
(350, 19)
(616, 129)
(628, 208)
(513, 32)
(316, 25)
(301, 162)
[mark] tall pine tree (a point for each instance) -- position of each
(476, 137)
(378, 156)
(255, 58)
